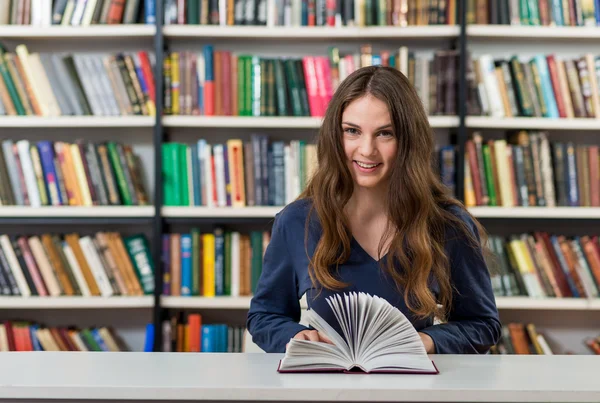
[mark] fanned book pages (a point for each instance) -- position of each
(377, 338)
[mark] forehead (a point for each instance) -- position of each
(367, 111)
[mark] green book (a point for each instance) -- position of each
(256, 262)
(119, 173)
(193, 12)
(139, 253)
(183, 174)
(10, 85)
(489, 175)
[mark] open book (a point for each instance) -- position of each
(377, 338)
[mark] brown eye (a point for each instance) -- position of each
(350, 130)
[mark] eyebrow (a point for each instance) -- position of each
(389, 125)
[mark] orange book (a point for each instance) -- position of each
(194, 332)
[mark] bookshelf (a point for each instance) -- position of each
(278, 33)
(485, 122)
(538, 33)
(153, 131)
(91, 32)
(76, 122)
(79, 303)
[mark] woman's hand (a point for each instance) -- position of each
(311, 335)
(428, 342)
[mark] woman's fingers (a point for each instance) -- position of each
(324, 338)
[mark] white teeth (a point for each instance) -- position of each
(363, 165)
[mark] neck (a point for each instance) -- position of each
(366, 205)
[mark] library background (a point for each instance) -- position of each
(147, 146)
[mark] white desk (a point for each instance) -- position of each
(121, 377)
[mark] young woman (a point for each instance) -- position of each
(375, 218)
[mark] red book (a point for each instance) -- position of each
(147, 72)
(115, 12)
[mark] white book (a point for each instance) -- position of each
(220, 175)
(207, 153)
(28, 173)
(79, 278)
(377, 337)
(91, 255)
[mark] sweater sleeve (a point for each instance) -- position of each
(275, 308)
(473, 324)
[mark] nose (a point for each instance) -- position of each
(367, 145)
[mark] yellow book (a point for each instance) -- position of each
(208, 275)
(84, 189)
(23, 55)
(469, 190)
(175, 83)
(503, 173)
(235, 154)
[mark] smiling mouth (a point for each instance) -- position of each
(365, 165)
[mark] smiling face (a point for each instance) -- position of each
(369, 142)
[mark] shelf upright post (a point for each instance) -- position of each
(462, 101)
(158, 180)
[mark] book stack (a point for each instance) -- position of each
(545, 265)
(521, 338)
(222, 82)
(540, 86)
(573, 13)
(76, 84)
(104, 264)
(30, 336)
(188, 333)
(330, 13)
(218, 263)
(70, 174)
(44, 13)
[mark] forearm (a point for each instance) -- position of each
(272, 332)
(473, 336)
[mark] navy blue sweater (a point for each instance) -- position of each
(473, 325)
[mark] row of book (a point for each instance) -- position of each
(541, 86)
(188, 334)
(43, 13)
(330, 13)
(221, 82)
(46, 173)
(526, 169)
(56, 84)
(258, 172)
(541, 13)
(50, 265)
(23, 335)
(541, 264)
(521, 338)
(218, 263)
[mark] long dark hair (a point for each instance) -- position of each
(417, 200)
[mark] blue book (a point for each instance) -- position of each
(546, 84)
(207, 338)
(37, 346)
(186, 264)
(219, 261)
(98, 339)
(563, 265)
(557, 12)
(150, 12)
(149, 340)
(46, 152)
(227, 178)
